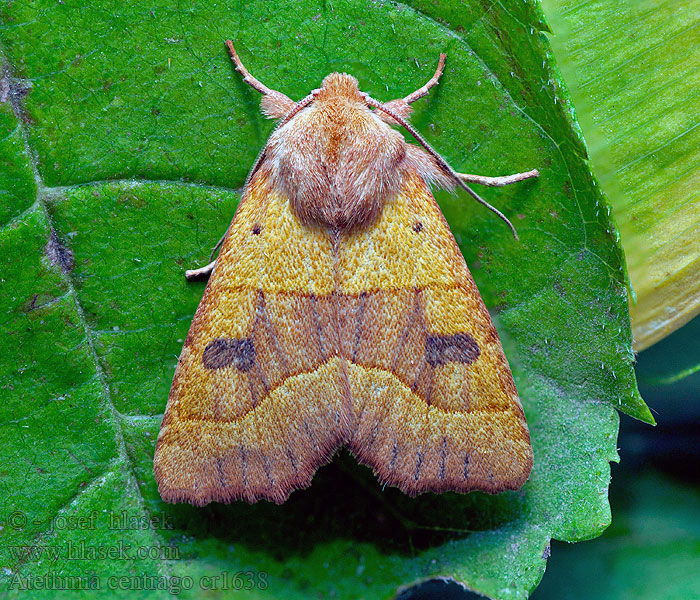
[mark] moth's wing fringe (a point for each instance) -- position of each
(203, 495)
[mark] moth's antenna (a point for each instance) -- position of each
(441, 161)
(266, 91)
(247, 77)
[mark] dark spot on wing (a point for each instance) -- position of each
(443, 458)
(257, 229)
(244, 465)
(460, 347)
(394, 454)
(223, 352)
(220, 468)
(293, 461)
(417, 226)
(419, 463)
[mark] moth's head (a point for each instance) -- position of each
(339, 86)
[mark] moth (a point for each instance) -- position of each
(340, 312)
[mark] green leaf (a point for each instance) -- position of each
(17, 185)
(632, 68)
(140, 132)
(651, 550)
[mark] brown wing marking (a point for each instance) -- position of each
(259, 399)
(435, 405)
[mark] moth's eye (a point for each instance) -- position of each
(417, 226)
(257, 229)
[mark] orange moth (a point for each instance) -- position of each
(340, 312)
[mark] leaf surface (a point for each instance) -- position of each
(138, 135)
(632, 68)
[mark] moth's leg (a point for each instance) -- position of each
(218, 245)
(203, 272)
(498, 181)
(464, 178)
(200, 273)
(274, 104)
(401, 106)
